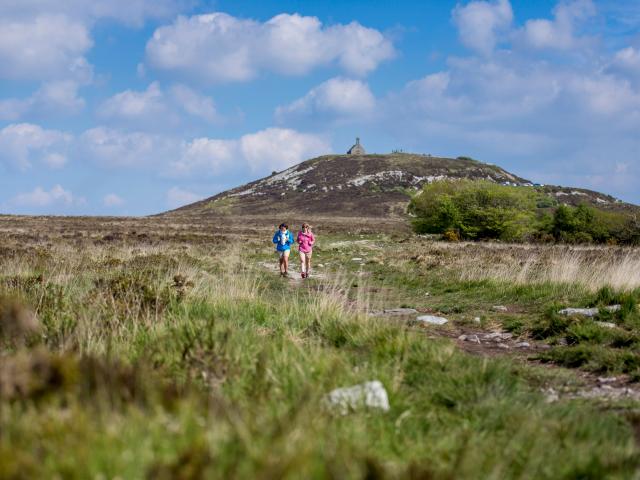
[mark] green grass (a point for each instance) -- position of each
(224, 372)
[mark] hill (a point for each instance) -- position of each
(376, 185)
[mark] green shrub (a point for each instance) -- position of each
(476, 210)
(482, 209)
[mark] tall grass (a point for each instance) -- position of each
(224, 374)
(591, 268)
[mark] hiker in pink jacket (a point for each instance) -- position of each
(305, 246)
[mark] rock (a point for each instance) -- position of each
(493, 336)
(369, 394)
(499, 308)
(473, 339)
(476, 319)
(613, 308)
(462, 337)
(320, 265)
(356, 259)
(503, 345)
(563, 342)
(587, 312)
(522, 345)
(432, 320)
(426, 294)
(497, 336)
(607, 379)
(551, 396)
(606, 324)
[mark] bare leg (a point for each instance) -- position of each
(281, 263)
(308, 262)
(302, 262)
(286, 263)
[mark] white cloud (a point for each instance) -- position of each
(218, 47)
(39, 198)
(262, 152)
(129, 105)
(558, 33)
(337, 96)
(129, 12)
(55, 160)
(116, 148)
(279, 148)
(112, 200)
(177, 197)
(58, 97)
(23, 144)
(43, 47)
(627, 63)
(145, 108)
(480, 23)
(206, 155)
(194, 104)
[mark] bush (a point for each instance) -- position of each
(486, 210)
(475, 210)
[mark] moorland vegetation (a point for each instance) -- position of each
(154, 349)
(483, 210)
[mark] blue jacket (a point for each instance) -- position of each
(288, 242)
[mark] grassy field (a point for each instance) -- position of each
(168, 348)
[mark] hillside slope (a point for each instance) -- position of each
(345, 185)
(375, 185)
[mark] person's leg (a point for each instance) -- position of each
(308, 263)
(281, 262)
(302, 264)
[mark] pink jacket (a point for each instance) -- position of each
(305, 241)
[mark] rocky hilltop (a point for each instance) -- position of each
(375, 185)
(347, 185)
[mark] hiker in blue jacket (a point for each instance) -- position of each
(283, 239)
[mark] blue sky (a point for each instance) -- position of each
(132, 107)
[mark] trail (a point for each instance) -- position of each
(497, 343)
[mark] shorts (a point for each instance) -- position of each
(304, 255)
(283, 253)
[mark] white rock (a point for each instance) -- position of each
(473, 339)
(320, 265)
(607, 379)
(369, 394)
(462, 337)
(476, 319)
(613, 308)
(587, 312)
(499, 308)
(522, 345)
(503, 345)
(432, 319)
(356, 259)
(606, 324)
(551, 396)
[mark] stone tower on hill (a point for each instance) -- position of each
(357, 149)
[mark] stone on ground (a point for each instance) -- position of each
(366, 395)
(431, 319)
(606, 324)
(587, 312)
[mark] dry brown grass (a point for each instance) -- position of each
(590, 267)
